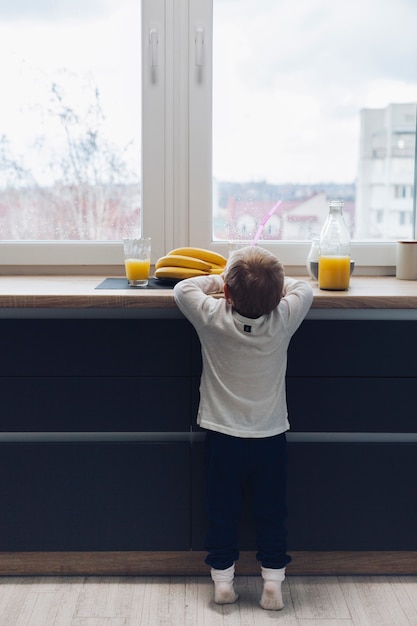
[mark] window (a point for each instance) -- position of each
(70, 118)
(70, 139)
(405, 217)
(403, 191)
(307, 106)
(236, 104)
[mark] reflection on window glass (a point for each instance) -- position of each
(69, 119)
(313, 99)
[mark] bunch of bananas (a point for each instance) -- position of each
(188, 262)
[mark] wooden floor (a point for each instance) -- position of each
(187, 601)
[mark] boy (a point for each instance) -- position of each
(244, 339)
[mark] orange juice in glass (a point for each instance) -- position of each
(334, 272)
(137, 254)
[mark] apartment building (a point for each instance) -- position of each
(384, 194)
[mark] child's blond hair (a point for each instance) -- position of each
(255, 280)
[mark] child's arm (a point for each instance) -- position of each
(194, 296)
(297, 297)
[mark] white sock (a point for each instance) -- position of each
(271, 594)
(224, 592)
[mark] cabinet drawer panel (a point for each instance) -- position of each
(352, 496)
(94, 497)
(95, 347)
(95, 404)
(353, 348)
(341, 497)
(352, 404)
(345, 404)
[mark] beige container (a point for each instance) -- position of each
(407, 260)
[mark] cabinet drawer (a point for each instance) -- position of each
(384, 405)
(95, 347)
(95, 404)
(341, 497)
(352, 496)
(353, 348)
(94, 497)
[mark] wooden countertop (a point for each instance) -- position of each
(17, 292)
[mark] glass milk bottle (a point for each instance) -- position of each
(334, 257)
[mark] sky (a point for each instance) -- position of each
(290, 76)
(78, 44)
(51, 10)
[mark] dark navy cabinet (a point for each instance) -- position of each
(351, 393)
(100, 451)
(91, 418)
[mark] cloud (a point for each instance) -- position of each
(291, 77)
(314, 44)
(51, 9)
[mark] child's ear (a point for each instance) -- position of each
(227, 293)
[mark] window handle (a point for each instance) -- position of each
(153, 46)
(199, 45)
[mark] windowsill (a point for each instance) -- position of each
(79, 292)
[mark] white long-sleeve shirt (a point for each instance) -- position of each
(242, 388)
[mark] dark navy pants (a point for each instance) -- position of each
(234, 465)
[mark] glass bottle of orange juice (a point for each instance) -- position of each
(334, 255)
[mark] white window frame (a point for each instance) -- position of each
(157, 168)
(370, 257)
(176, 157)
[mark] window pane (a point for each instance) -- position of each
(69, 119)
(313, 99)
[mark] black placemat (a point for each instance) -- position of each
(121, 283)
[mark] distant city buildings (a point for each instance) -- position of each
(241, 207)
(378, 206)
(384, 190)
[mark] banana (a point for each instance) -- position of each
(200, 253)
(177, 260)
(217, 270)
(179, 273)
